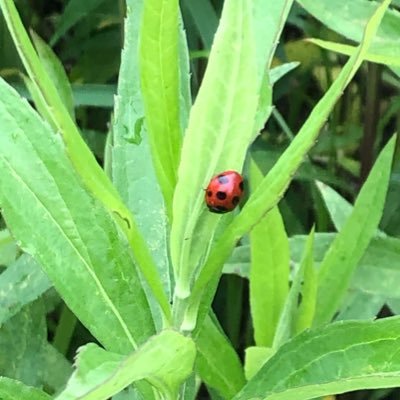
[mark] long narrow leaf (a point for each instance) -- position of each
(132, 170)
(286, 327)
(386, 40)
(159, 76)
(219, 131)
(269, 271)
(350, 244)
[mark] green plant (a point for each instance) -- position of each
(133, 251)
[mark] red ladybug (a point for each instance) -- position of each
(224, 192)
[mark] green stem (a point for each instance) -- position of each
(371, 119)
(65, 330)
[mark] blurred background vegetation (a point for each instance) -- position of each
(87, 36)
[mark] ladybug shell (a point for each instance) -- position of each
(224, 192)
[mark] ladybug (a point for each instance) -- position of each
(224, 192)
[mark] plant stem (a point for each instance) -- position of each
(64, 331)
(371, 119)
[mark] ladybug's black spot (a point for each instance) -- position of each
(209, 193)
(222, 179)
(241, 186)
(221, 195)
(235, 200)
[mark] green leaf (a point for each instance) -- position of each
(132, 170)
(95, 274)
(82, 159)
(20, 284)
(269, 270)
(22, 342)
(306, 309)
(159, 78)
(350, 244)
(205, 19)
(386, 39)
(217, 363)
(336, 358)
(360, 305)
(220, 128)
(281, 70)
(56, 368)
(93, 95)
(78, 151)
(185, 95)
(377, 273)
(386, 59)
(268, 24)
(287, 322)
(165, 360)
(338, 207)
(11, 390)
(8, 248)
(74, 11)
(255, 358)
(275, 183)
(56, 72)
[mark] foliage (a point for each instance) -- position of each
(114, 115)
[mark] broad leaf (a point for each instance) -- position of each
(82, 159)
(336, 358)
(8, 248)
(11, 390)
(165, 360)
(20, 284)
(88, 260)
(22, 342)
(217, 363)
